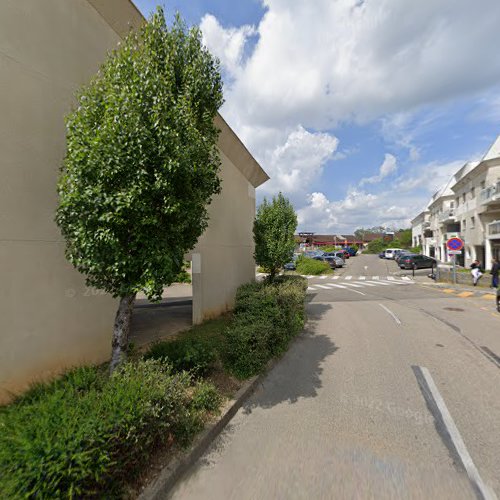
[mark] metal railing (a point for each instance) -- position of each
(489, 193)
(447, 214)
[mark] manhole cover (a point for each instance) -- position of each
(457, 309)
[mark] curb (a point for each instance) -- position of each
(160, 488)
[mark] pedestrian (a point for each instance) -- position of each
(495, 267)
(475, 270)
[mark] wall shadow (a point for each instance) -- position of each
(298, 373)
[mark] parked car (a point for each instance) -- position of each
(327, 258)
(381, 255)
(418, 261)
(339, 253)
(400, 254)
(290, 266)
(339, 261)
(389, 252)
(351, 251)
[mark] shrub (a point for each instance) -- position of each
(267, 316)
(305, 265)
(206, 397)
(85, 433)
(197, 355)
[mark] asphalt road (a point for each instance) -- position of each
(392, 392)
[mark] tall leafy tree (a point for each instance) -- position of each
(141, 165)
(273, 230)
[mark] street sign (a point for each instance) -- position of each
(455, 244)
(454, 252)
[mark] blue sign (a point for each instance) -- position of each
(455, 244)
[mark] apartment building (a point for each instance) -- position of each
(467, 207)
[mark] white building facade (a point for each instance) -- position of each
(467, 207)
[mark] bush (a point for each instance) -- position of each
(86, 433)
(206, 397)
(197, 355)
(305, 265)
(267, 315)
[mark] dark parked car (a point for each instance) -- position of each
(400, 254)
(381, 255)
(416, 262)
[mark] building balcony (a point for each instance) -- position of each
(447, 216)
(494, 228)
(426, 225)
(490, 194)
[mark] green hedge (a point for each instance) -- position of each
(88, 433)
(197, 355)
(305, 265)
(266, 317)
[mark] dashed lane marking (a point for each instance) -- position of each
(362, 278)
(348, 277)
(375, 277)
(335, 277)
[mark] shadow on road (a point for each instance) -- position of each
(298, 374)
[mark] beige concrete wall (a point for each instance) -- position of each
(48, 318)
(223, 257)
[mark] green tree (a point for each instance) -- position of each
(141, 165)
(273, 230)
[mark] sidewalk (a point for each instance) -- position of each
(462, 290)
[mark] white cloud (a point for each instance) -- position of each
(226, 43)
(387, 168)
(297, 161)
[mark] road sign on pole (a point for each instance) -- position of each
(455, 244)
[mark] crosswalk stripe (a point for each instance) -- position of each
(323, 286)
(354, 285)
(406, 278)
(338, 286)
(402, 283)
(335, 277)
(391, 278)
(375, 277)
(364, 283)
(379, 283)
(309, 277)
(323, 277)
(311, 288)
(348, 277)
(362, 278)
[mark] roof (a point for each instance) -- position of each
(122, 16)
(494, 151)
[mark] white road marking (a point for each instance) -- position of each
(379, 283)
(364, 283)
(334, 285)
(323, 286)
(362, 278)
(393, 283)
(391, 278)
(355, 286)
(375, 277)
(335, 277)
(394, 317)
(311, 288)
(337, 286)
(456, 438)
(323, 277)
(406, 278)
(348, 277)
(310, 277)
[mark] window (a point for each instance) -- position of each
(483, 184)
(464, 224)
(457, 201)
(463, 197)
(452, 205)
(472, 222)
(473, 193)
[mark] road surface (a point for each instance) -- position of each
(392, 392)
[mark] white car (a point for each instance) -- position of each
(389, 253)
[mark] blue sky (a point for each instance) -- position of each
(358, 110)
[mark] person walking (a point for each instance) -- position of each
(475, 270)
(495, 267)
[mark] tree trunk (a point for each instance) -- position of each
(121, 330)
